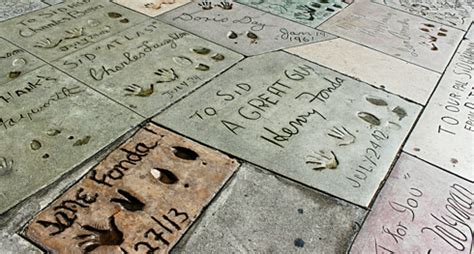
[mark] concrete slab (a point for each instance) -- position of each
(362, 63)
(421, 209)
(142, 197)
(59, 30)
(14, 244)
(310, 13)
(40, 131)
(151, 8)
(149, 66)
(241, 28)
(15, 62)
(455, 13)
(444, 135)
(13, 8)
(396, 33)
(259, 212)
(301, 120)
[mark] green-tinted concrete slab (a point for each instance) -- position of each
(420, 209)
(149, 66)
(53, 2)
(59, 30)
(12, 8)
(15, 62)
(408, 37)
(310, 13)
(151, 8)
(50, 123)
(301, 120)
(455, 13)
(259, 212)
(444, 135)
(241, 28)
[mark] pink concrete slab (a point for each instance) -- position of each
(421, 209)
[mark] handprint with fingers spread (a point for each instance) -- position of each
(136, 90)
(47, 44)
(205, 5)
(323, 160)
(6, 166)
(225, 5)
(97, 237)
(166, 75)
(74, 33)
(343, 135)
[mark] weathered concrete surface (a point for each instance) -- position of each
(396, 33)
(301, 120)
(149, 66)
(15, 62)
(59, 30)
(15, 244)
(151, 8)
(53, 2)
(244, 29)
(13, 8)
(444, 135)
(421, 209)
(142, 197)
(49, 124)
(310, 13)
(455, 13)
(259, 212)
(391, 74)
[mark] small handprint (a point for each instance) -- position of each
(136, 90)
(74, 33)
(100, 237)
(6, 166)
(343, 135)
(323, 160)
(166, 75)
(205, 5)
(47, 43)
(225, 5)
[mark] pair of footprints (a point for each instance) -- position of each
(207, 5)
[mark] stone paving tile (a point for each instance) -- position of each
(455, 13)
(444, 135)
(15, 62)
(15, 244)
(13, 8)
(396, 33)
(149, 66)
(244, 29)
(381, 70)
(420, 209)
(259, 212)
(310, 13)
(61, 29)
(301, 120)
(50, 123)
(142, 197)
(151, 8)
